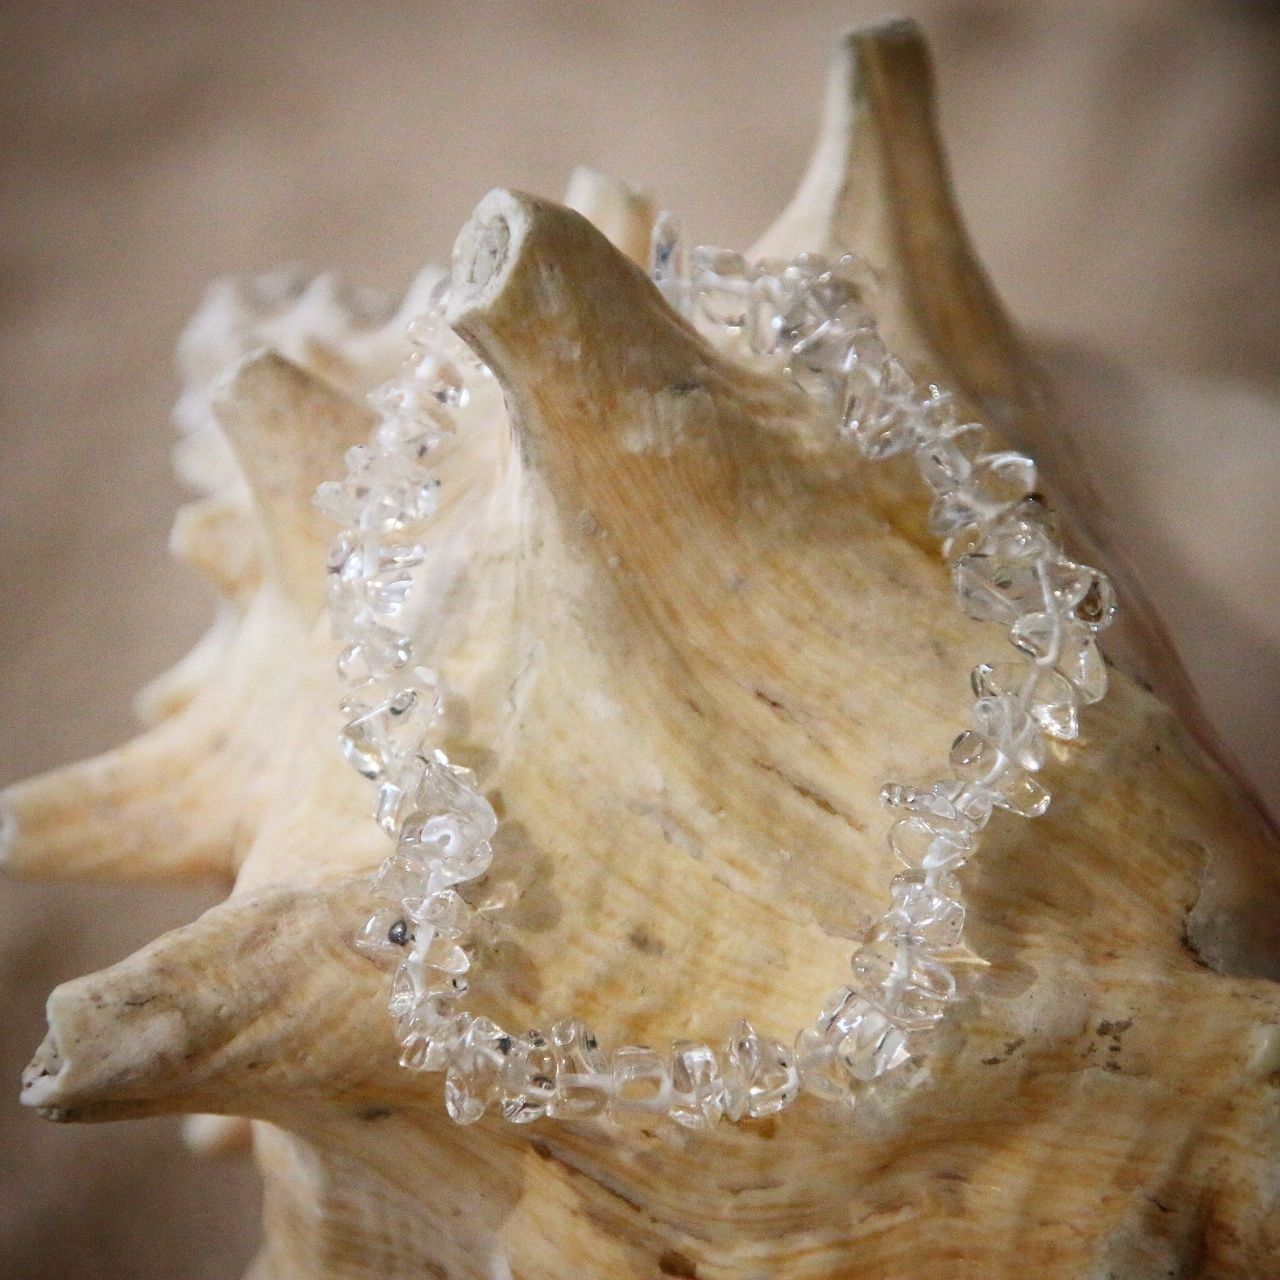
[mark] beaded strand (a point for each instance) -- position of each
(807, 319)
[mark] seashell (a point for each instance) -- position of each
(689, 637)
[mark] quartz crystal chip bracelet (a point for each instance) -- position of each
(808, 319)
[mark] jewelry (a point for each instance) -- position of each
(807, 319)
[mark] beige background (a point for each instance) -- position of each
(1120, 169)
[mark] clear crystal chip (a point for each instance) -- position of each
(697, 1086)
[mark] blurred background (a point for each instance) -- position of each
(1119, 164)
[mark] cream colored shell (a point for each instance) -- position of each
(693, 636)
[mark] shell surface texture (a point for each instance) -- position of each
(687, 636)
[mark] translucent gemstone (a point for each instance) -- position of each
(402, 880)
(948, 805)
(873, 1045)
(394, 794)
(1021, 794)
(720, 286)
(944, 464)
(1080, 660)
(409, 500)
(763, 323)
(922, 1000)
(383, 736)
(888, 419)
(697, 1086)
(379, 653)
(927, 908)
(475, 1069)
(444, 953)
(822, 1071)
(993, 588)
(341, 500)
(404, 996)
(1001, 720)
(412, 436)
(898, 978)
(760, 1074)
(431, 1035)
(1052, 700)
(582, 1071)
(445, 912)
(975, 758)
(1004, 477)
(441, 379)
(450, 821)
(956, 513)
(921, 841)
(385, 934)
(848, 283)
(528, 1083)
(1069, 645)
(641, 1080)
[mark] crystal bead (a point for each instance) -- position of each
(1080, 660)
(873, 1045)
(875, 963)
(413, 437)
(886, 420)
(450, 821)
(760, 1074)
(763, 320)
(922, 999)
(666, 258)
(944, 464)
(641, 1080)
(822, 1071)
(926, 908)
(441, 379)
(1051, 701)
(993, 588)
(528, 1082)
(385, 934)
(445, 912)
(720, 286)
(1039, 635)
(947, 804)
(1069, 645)
(395, 793)
(408, 501)
(1004, 477)
(901, 980)
(404, 996)
(1001, 720)
(697, 1086)
(379, 653)
(402, 880)
(383, 736)
(444, 953)
(1021, 794)
(582, 1071)
(475, 1068)
(430, 1036)
(921, 841)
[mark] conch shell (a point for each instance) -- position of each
(691, 637)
